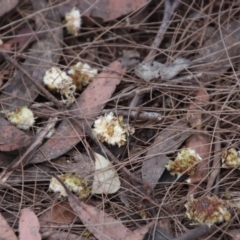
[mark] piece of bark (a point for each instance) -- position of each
(167, 141)
(89, 105)
(44, 53)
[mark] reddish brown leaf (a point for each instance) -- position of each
(201, 144)
(12, 138)
(6, 232)
(167, 140)
(98, 222)
(29, 225)
(89, 104)
(107, 10)
(59, 214)
(7, 6)
(194, 114)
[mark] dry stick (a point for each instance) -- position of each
(168, 12)
(216, 163)
(151, 116)
(46, 93)
(30, 151)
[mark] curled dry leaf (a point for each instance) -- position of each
(6, 232)
(89, 104)
(148, 71)
(201, 144)
(29, 225)
(106, 179)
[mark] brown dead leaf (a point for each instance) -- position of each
(12, 138)
(7, 6)
(89, 104)
(59, 214)
(107, 10)
(101, 225)
(167, 141)
(201, 144)
(29, 225)
(194, 113)
(6, 232)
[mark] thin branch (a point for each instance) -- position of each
(168, 12)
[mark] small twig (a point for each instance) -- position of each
(168, 12)
(46, 93)
(150, 116)
(30, 151)
(216, 162)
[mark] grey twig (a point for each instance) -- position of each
(168, 12)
